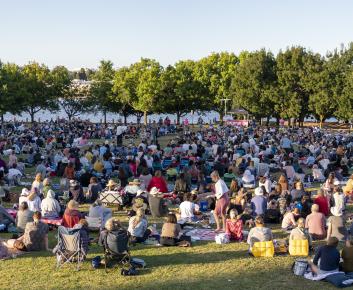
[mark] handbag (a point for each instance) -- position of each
(300, 267)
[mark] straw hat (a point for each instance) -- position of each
(135, 182)
(140, 192)
(139, 203)
(155, 191)
(111, 182)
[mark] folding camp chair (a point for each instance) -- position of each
(111, 197)
(118, 250)
(69, 248)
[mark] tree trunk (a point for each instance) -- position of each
(125, 119)
(2, 118)
(32, 116)
(178, 118)
(221, 116)
(105, 117)
(267, 121)
(321, 119)
(145, 118)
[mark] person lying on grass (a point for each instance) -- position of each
(35, 237)
(234, 226)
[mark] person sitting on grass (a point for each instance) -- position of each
(347, 256)
(234, 227)
(46, 186)
(50, 206)
(327, 258)
(288, 222)
(71, 215)
(98, 210)
(138, 227)
(188, 208)
(272, 214)
(170, 231)
(24, 216)
(259, 233)
(35, 237)
(300, 233)
(33, 200)
(315, 223)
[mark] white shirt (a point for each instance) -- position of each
(13, 172)
(187, 209)
(221, 188)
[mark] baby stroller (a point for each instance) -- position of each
(70, 247)
(116, 248)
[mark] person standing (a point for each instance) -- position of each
(222, 200)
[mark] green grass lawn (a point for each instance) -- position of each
(205, 265)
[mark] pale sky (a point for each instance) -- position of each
(79, 33)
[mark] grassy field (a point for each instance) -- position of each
(205, 265)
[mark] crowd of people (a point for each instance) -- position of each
(241, 179)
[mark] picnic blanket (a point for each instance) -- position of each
(201, 234)
(52, 221)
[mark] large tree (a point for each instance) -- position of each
(254, 84)
(101, 88)
(180, 91)
(11, 89)
(38, 89)
(295, 67)
(216, 72)
(138, 87)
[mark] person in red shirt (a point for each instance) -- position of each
(159, 182)
(322, 202)
(234, 227)
(71, 215)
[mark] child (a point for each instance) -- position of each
(234, 227)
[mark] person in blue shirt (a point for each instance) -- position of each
(327, 258)
(258, 203)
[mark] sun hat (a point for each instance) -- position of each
(154, 191)
(24, 192)
(258, 191)
(135, 182)
(140, 192)
(111, 182)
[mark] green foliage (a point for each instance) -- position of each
(101, 88)
(39, 89)
(254, 83)
(215, 73)
(11, 89)
(181, 92)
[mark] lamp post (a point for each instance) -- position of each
(225, 105)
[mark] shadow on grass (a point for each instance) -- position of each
(189, 258)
